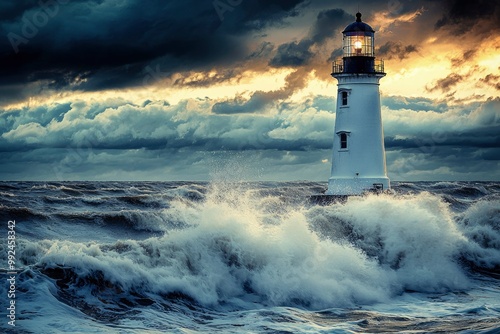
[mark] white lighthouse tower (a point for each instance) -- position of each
(358, 160)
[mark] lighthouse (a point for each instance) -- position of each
(358, 159)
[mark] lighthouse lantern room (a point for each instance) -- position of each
(358, 160)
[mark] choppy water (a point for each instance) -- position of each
(177, 257)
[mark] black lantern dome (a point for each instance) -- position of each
(358, 25)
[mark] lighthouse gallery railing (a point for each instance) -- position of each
(338, 66)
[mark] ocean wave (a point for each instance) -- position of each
(233, 249)
(481, 225)
(415, 235)
(138, 220)
(158, 255)
(20, 213)
(213, 270)
(6, 194)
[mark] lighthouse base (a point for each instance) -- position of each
(356, 186)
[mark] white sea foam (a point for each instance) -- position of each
(234, 251)
(481, 225)
(414, 234)
(263, 260)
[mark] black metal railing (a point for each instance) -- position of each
(338, 66)
(376, 67)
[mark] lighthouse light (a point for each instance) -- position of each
(357, 45)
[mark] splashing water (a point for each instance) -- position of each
(209, 256)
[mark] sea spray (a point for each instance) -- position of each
(253, 257)
(481, 225)
(414, 235)
(230, 253)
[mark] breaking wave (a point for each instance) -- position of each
(208, 248)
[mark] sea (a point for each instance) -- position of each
(248, 257)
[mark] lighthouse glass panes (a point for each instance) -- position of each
(359, 43)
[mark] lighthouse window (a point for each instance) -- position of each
(344, 98)
(343, 140)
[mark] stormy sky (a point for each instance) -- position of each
(192, 90)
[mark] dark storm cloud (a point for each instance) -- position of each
(443, 163)
(462, 143)
(295, 54)
(446, 84)
(121, 125)
(393, 8)
(94, 45)
(124, 126)
(260, 99)
(467, 56)
(423, 142)
(259, 14)
(256, 103)
(11, 10)
(337, 53)
(206, 79)
(492, 80)
(489, 155)
(392, 49)
(456, 140)
(328, 23)
(83, 138)
(462, 16)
